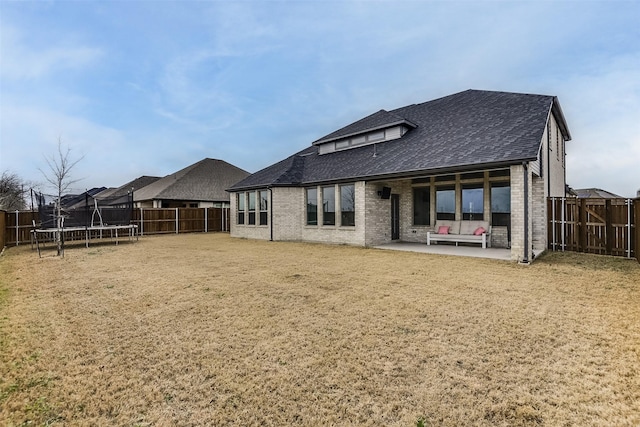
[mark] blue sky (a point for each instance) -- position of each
(149, 87)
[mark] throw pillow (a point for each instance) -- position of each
(479, 231)
(443, 229)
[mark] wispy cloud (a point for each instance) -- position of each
(23, 61)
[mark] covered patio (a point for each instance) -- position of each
(468, 251)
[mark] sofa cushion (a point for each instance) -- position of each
(443, 229)
(454, 226)
(469, 227)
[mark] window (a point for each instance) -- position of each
(312, 206)
(473, 202)
(342, 144)
(252, 208)
(500, 204)
(328, 206)
(422, 206)
(358, 140)
(446, 203)
(347, 205)
(264, 207)
(241, 211)
(376, 136)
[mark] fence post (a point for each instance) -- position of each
(629, 228)
(608, 227)
(582, 242)
(206, 220)
(563, 230)
(176, 220)
(636, 208)
(141, 222)
(553, 223)
(17, 228)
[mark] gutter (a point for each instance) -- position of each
(270, 213)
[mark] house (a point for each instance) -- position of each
(594, 193)
(122, 196)
(391, 176)
(79, 201)
(200, 185)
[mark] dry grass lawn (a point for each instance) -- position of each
(204, 329)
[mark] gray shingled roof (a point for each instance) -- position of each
(206, 180)
(124, 189)
(380, 120)
(464, 131)
(595, 193)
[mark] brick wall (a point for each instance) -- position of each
(288, 213)
(539, 215)
(350, 235)
(378, 214)
(289, 219)
(517, 213)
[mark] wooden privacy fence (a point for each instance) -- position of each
(15, 227)
(597, 226)
(180, 220)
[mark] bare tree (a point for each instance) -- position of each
(59, 176)
(12, 193)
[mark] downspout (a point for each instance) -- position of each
(270, 213)
(525, 260)
(548, 159)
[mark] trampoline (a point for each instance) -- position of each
(83, 217)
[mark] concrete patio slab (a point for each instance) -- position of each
(468, 251)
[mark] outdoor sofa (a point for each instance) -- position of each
(461, 232)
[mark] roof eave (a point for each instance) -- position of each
(395, 175)
(562, 122)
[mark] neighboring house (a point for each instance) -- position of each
(594, 193)
(200, 185)
(121, 196)
(390, 176)
(80, 201)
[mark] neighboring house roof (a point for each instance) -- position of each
(595, 193)
(120, 195)
(134, 185)
(205, 180)
(464, 131)
(75, 201)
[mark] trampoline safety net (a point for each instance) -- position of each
(84, 210)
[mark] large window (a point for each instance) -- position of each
(421, 206)
(500, 204)
(473, 202)
(252, 208)
(446, 203)
(240, 205)
(264, 207)
(328, 206)
(312, 206)
(347, 205)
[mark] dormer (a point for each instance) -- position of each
(379, 127)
